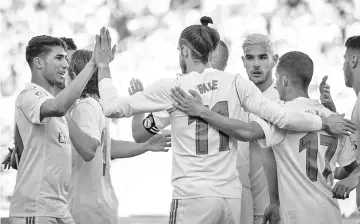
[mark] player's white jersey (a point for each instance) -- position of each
(204, 159)
(91, 197)
(43, 178)
(305, 165)
(355, 138)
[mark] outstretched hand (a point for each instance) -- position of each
(135, 86)
(159, 143)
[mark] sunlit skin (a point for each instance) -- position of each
(259, 61)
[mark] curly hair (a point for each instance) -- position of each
(40, 46)
(77, 63)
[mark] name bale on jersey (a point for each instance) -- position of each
(207, 87)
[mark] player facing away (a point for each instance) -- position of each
(44, 171)
(91, 197)
(204, 176)
(259, 60)
(305, 160)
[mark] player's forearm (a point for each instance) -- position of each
(126, 149)
(235, 128)
(138, 131)
(67, 96)
(83, 144)
(270, 168)
(103, 73)
(331, 106)
(340, 173)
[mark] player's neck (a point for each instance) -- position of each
(265, 85)
(296, 93)
(41, 81)
(198, 67)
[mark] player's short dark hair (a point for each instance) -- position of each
(69, 43)
(77, 63)
(353, 42)
(40, 46)
(298, 66)
(201, 39)
(225, 51)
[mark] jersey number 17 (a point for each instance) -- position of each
(310, 143)
(201, 130)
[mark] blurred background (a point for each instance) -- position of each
(146, 33)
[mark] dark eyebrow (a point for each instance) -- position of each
(61, 55)
(262, 55)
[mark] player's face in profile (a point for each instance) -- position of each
(182, 60)
(56, 66)
(347, 70)
(258, 63)
(279, 86)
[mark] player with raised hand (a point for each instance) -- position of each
(92, 151)
(44, 170)
(304, 157)
(205, 180)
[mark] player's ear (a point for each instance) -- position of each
(275, 59)
(285, 81)
(38, 62)
(185, 51)
(354, 61)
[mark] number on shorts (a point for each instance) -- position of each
(202, 127)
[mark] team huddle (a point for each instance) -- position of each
(243, 150)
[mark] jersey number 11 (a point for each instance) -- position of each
(201, 130)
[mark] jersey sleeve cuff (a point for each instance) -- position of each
(264, 143)
(37, 112)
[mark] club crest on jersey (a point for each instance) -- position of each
(63, 139)
(39, 94)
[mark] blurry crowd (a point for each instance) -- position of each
(146, 32)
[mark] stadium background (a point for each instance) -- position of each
(146, 33)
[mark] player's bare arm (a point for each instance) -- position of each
(325, 96)
(342, 189)
(333, 124)
(272, 212)
(125, 149)
(193, 106)
(83, 143)
(343, 172)
(58, 106)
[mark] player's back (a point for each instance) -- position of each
(306, 162)
(204, 159)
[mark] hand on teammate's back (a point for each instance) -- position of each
(325, 96)
(192, 104)
(135, 86)
(342, 189)
(338, 125)
(159, 143)
(272, 214)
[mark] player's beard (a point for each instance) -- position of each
(348, 76)
(183, 65)
(258, 81)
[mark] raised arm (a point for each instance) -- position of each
(58, 106)
(155, 97)
(325, 95)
